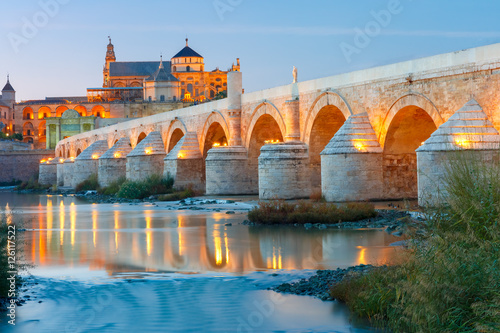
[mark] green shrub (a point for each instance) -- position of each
(450, 280)
(152, 185)
(32, 184)
(113, 187)
(282, 212)
(90, 184)
(180, 195)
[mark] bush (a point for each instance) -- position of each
(450, 281)
(187, 193)
(282, 212)
(153, 185)
(90, 184)
(113, 187)
(32, 184)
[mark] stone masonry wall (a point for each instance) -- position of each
(21, 165)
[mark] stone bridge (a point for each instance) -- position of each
(352, 136)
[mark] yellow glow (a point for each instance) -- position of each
(216, 144)
(50, 220)
(218, 250)
(227, 247)
(43, 161)
(179, 231)
(225, 145)
(95, 156)
(61, 160)
(362, 259)
(72, 158)
(462, 143)
(277, 261)
(148, 151)
(94, 227)
(72, 219)
(117, 155)
(359, 146)
(180, 156)
(274, 141)
(422, 143)
(61, 222)
(117, 226)
(149, 233)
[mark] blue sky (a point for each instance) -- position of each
(321, 38)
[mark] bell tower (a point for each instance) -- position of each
(110, 57)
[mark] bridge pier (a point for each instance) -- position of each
(86, 164)
(60, 172)
(47, 172)
(468, 135)
(68, 168)
(226, 172)
(352, 163)
(113, 163)
(185, 164)
(284, 171)
(147, 158)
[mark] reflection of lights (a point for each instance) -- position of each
(362, 259)
(116, 214)
(277, 258)
(94, 226)
(149, 233)
(49, 220)
(72, 218)
(218, 251)
(61, 222)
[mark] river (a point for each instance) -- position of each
(154, 268)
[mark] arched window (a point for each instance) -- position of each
(174, 68)
(188, 68)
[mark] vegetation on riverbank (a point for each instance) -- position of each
(450, 280)
(302, 212)
(32, 185)
(154, 185)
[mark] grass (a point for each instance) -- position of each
(180, 195)
(450, 280)
(90, 184)
(153, 185)
(113, 187)
(32, 184)
(282, 212)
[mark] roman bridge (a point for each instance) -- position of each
(353, 136)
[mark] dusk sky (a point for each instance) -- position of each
(321, 38)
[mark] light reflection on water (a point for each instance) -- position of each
(75, 241)
(120, 238)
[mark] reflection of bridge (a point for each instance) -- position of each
(370, 121)
(148, 240)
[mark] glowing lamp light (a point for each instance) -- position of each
(61, 160)
(72, 158)
(462, 143)
(43, 161)
(216, 144)
(359, 146)
(272, 142)
(225, 145)
(117, 155)
(148, 151)
(95, 157)
(180, 155)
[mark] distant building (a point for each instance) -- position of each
(7, 101)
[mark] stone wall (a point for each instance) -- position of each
(21, 165)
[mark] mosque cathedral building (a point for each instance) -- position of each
(129, 90)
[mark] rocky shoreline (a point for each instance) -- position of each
(319, 284)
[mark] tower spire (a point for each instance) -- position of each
(161, 60)
(187, 41)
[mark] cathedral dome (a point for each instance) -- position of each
(187, 52)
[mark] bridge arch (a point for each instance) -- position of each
(327, 98)
(265, 108)
(176, 130)
(409, 122)
(215, 130)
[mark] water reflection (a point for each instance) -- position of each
(123, 238)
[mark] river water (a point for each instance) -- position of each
(155, 268)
